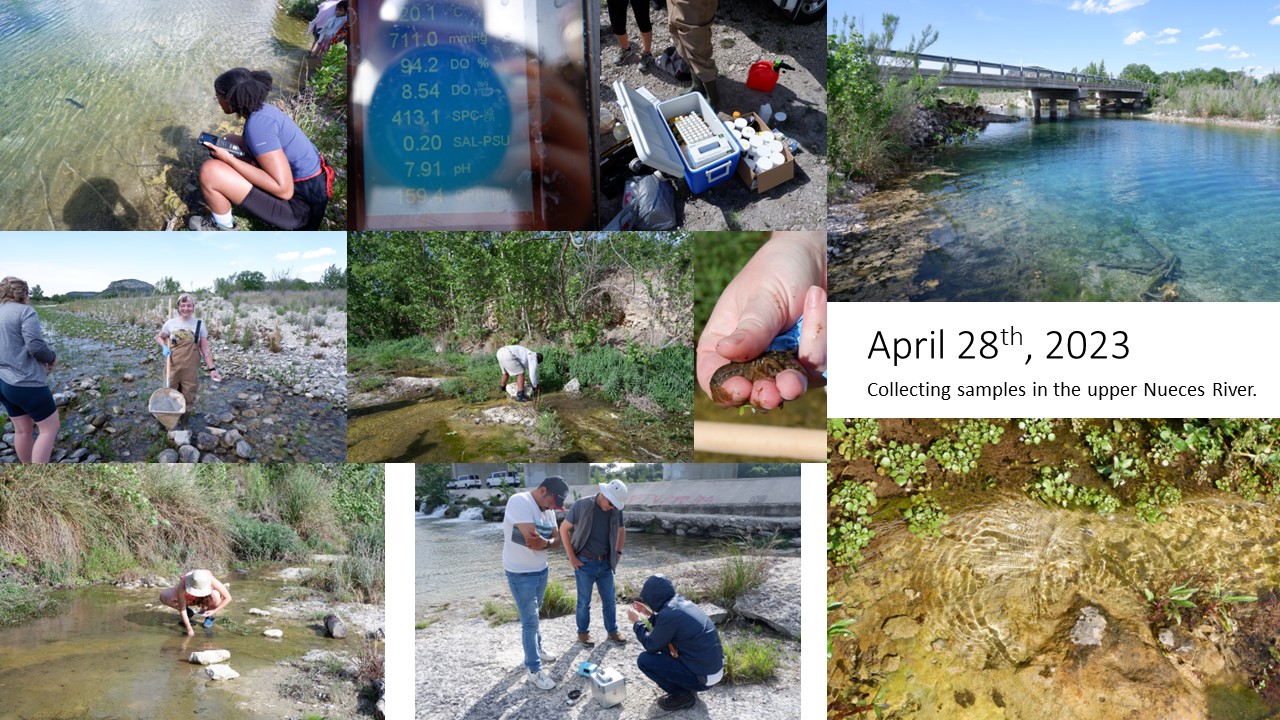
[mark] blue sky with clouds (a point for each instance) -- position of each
(65, 262)
(1061, 34)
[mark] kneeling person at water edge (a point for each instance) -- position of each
(282, 179)
(197, 589)
(514, 360)
(185, 340)
(682, 651)
(593, 534)
(529, 530)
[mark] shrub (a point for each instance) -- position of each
(256, 541)
(305, 9)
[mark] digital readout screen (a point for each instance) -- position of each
(473, 114)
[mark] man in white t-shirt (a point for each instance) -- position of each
(528, 531)
(515, 360)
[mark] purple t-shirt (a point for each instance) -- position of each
(268, 128)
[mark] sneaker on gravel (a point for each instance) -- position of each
(624, 54)
(672, 703)
(585, 639)
(204, 223)
(646, 60)
(547, 657)
(542, 680)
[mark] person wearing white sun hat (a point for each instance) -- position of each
(198, 589)
(593, 535)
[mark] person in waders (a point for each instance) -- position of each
(190, 342)
(197, 589)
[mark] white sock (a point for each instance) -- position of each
(223, 220)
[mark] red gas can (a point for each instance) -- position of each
(762, 76)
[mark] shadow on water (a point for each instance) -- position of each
(97, 204)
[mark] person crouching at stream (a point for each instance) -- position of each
(197, 589)
(529, 530)
(592, 534)
(25, 361)
(682, 650)
(514, 360)
(186, 339)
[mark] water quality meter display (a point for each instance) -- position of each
(459, 106)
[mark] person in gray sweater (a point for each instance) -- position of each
(25, 360)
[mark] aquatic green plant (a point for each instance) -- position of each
(1173, 602)
(902, 463)
(1036, 430)
(959, 454)
(839, 628)
(854, 438)
(925, 516)
(1153, 498)
(1122, 469)
(1219, 600)
(1056, 488)
(848, 524)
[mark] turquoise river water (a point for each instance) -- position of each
(100, 95)
(1105, 208)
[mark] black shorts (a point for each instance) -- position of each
(303, 211)
(36, 401)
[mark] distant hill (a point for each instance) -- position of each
(128, 288)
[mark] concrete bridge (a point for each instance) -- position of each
(1040, 83)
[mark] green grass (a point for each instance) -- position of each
(19, 602)
(739, 573)
(257, 541)
(558, 601)
(499, 613)
(750, 660)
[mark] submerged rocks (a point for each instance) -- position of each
(221, 672)
(900, 627)
(273, 633)
(1089, 627)
(259, 612)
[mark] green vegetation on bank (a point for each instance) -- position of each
(871, 141)
(67, 526)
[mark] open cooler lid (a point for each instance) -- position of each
(648, 131)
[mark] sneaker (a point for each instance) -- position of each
(521, 397)
(205, 223)
(547, 657)
(542, 680)
(617, 638)
(646, 60)
(624, 54)
(585, 639)
(672, 703)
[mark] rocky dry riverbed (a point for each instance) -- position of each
(470, 669)
(283, 397)
(743, 32)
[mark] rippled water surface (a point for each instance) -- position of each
(141, 78)
(1106, 208)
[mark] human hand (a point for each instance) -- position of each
(219, 152)
(164, 350)
(633, 616)
(190, 632)
(217, 376)
(51, 365)
(641, 608)
(671, 648)
(575, 562)
(784, 280)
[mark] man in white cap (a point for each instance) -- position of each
(592, 534)
(199, 589)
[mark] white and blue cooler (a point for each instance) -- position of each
(704, 163)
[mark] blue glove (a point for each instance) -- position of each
(165, 349)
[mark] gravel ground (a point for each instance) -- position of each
(745, 31)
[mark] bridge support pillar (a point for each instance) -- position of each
(1035, 101)
(1053, 108)
(1073, 108)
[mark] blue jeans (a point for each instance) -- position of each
(528, 589)
(669, 673)
(599, 574)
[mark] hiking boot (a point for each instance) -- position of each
(646, 61)
(624, 55)
(542, 680)
(585, 639)
(671, 703)
(547, 657)
(617, 638)
(521, 397)
(205, 223)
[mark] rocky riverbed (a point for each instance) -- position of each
(468, 668)
(283, 397)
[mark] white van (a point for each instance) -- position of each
(505, 477)
(469, 481)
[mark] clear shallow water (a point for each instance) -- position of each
(460, 561)
(144, 73)
(1102, 208)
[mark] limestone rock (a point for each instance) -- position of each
(259, 611)
(209, 657)
(168, 455)
(900, 627)
(334, 627)
(188, 454)
(210, 459)
(231, 438)
(776, 602)
(573, 387)
(715, 612)
(273, 633)
(1089, 627)
(221, 672)
(180, 437)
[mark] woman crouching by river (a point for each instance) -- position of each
(186, 339)
(25, 361)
